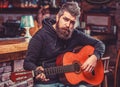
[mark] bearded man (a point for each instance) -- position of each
(58, 37)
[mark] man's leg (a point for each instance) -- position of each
(50, 85)
(61, 85)
(45, 85)
(82, 84)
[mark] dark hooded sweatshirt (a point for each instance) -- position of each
(45, 46)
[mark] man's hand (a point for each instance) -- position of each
(41, 76)
(89, 64)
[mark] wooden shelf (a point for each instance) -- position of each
(25, 10)
(18, 10)
(14, 40)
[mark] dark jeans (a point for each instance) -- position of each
(60, 85)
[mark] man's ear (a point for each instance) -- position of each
(57, 17)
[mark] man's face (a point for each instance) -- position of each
(65, 25)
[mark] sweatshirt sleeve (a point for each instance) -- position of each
(32, 55)
(97, 44)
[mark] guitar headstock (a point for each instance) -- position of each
(21, 75)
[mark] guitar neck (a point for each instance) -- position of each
(18, 76)
(22, 75)
(59, 69)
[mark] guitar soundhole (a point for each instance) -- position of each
(77, 67)
(93, 72)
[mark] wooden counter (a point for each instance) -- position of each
(11, 49)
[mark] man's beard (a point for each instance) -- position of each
(63, 33)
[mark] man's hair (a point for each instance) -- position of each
(71, 7)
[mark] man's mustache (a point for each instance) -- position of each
(66, 30)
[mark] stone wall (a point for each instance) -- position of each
(5, 71)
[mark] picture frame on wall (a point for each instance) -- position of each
(98, 22)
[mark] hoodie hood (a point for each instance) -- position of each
(48, 22)
(47, 25)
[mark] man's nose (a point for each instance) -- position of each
(68, 24)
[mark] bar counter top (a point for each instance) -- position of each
(12, 48)
(9, 48)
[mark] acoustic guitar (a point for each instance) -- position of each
(68, 68)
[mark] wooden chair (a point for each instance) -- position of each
(106, 71)
(117, 71)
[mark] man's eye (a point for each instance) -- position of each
(73, 22)
(66, 19)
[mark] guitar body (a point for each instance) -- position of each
(74, 78)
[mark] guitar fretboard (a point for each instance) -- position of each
(60, 69)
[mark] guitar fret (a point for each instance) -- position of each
(61, 69)
(46, 71)
(56, 70)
